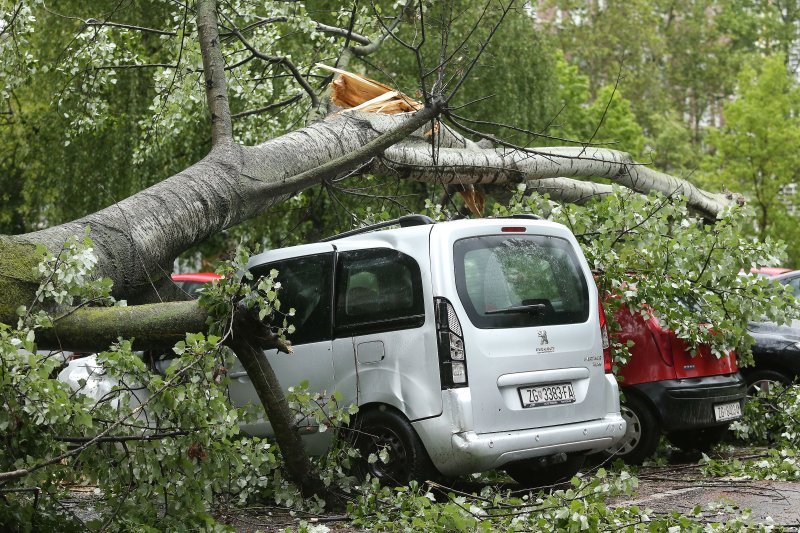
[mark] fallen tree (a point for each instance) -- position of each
(137, 239)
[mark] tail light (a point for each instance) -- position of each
(605, 339)
(450, 338)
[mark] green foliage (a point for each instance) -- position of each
(68, 276)
(611, 114)
(236, 287)
(605, 118)
(671, 145)
(772, 25)
(755, 148)
(161, 447)
(584, 506)
(657, 258)
(774, 464)
(771, 419)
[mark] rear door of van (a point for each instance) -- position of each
(528, 308)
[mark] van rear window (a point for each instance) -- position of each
(520, 281)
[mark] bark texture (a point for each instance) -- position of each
(151, 326)
(214, 73)
(567, 190)
(496, 166)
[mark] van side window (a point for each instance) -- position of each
(306, 284)
(794, 283)
(378, 290)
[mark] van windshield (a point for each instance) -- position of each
(520, 281)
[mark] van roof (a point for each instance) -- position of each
(371, 233)
(383, 234)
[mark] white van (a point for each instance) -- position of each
(467, 345)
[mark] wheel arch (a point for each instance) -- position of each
(780, 368)
(644, 399)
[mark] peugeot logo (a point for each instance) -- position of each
(543, 338)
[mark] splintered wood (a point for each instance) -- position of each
(357, 93)
(352, 92)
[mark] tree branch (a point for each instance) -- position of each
(343, 32)
(270, 107)
(567, 190)
(283, 60)
(101, 23)
(413, 160)
(371, 47)
(214, 73)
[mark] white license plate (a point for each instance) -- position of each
(547, 395)
(727, 411)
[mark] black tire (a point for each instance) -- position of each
(701, 440)
(642, 433)
(408, 460)
(531, 473)
(761, 381)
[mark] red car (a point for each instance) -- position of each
(190, 283)
(691, 400)
(770, 272)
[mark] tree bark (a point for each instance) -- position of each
(214, 73)
(569, 191)
(415, 161)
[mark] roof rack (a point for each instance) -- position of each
(529, 216)
(404, 222)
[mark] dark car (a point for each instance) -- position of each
(777, 348)
(690, 400)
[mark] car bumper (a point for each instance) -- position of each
(685, 404)
(468, 451)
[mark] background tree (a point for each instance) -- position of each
(755, 149)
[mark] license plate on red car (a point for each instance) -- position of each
(555, 394)
(727, 411)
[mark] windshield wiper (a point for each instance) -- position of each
(529, 308)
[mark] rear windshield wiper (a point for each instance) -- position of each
(529, 308)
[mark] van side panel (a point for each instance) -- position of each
(401, 367)
(403, 378)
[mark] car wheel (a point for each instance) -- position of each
(642, 433)
(378, 430)
(701, 440)
(538, 473)
(761, 381)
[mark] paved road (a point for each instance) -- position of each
(680, 486)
